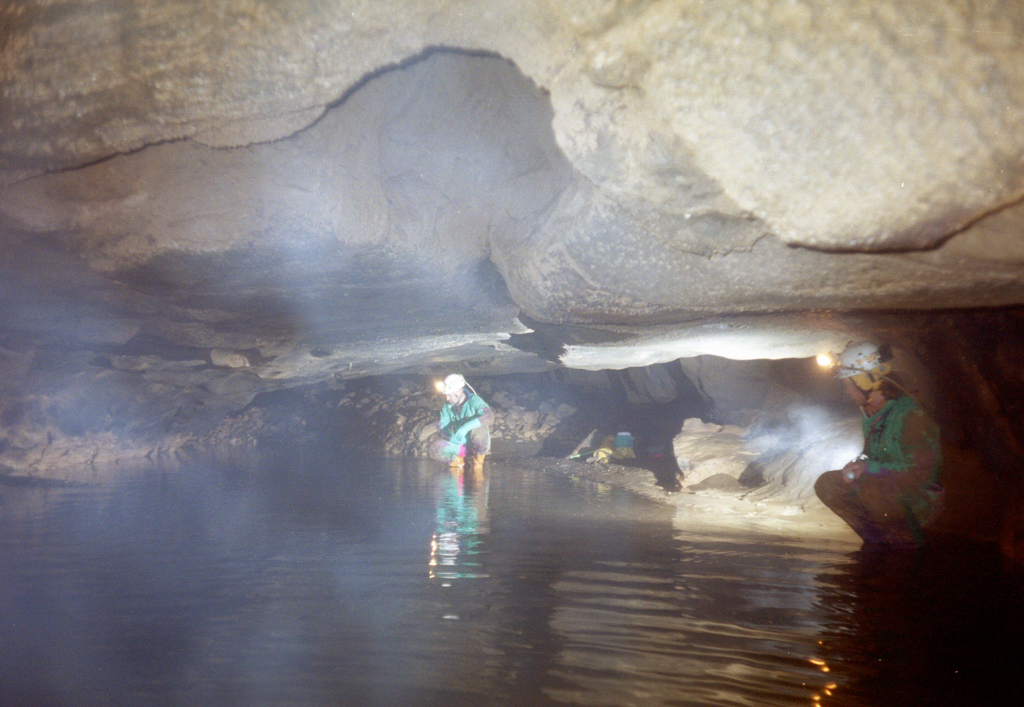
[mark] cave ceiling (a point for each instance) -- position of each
(288, 192)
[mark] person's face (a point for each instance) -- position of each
(870, 403)
(456, 398)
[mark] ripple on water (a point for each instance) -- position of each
(397, 585)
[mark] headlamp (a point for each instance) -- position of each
(867, 373)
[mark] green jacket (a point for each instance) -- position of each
(455, 416)
(901, 442)
(901, 438)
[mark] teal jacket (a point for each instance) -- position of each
(455, 416)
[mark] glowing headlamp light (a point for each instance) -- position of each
(864, 378)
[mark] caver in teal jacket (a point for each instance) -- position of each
(453, 417)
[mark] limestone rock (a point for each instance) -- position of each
(705, 450)
(329, 191)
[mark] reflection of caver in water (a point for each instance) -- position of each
(465, 424)
(892, 490)
(461, 522)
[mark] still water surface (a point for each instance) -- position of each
(307, 583)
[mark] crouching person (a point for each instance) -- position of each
(465, 425)
(892, 491)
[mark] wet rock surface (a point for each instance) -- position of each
(392, 417)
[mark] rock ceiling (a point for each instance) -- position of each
(285, 192)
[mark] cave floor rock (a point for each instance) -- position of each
(711, 509)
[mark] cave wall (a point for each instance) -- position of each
(886, 122)
(615, 162)
(205, 203)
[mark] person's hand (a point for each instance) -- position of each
(454, 449)
(459, 437)
(854, 470)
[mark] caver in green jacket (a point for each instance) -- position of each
(901, 441)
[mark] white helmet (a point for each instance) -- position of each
(453, 384)
(859, 358)
(862, 364)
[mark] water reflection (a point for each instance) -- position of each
(329, 583)
(941, 626)
(461, 521)
(719, 622)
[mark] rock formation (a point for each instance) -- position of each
(203, 202)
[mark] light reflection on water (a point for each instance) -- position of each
(328, 583)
